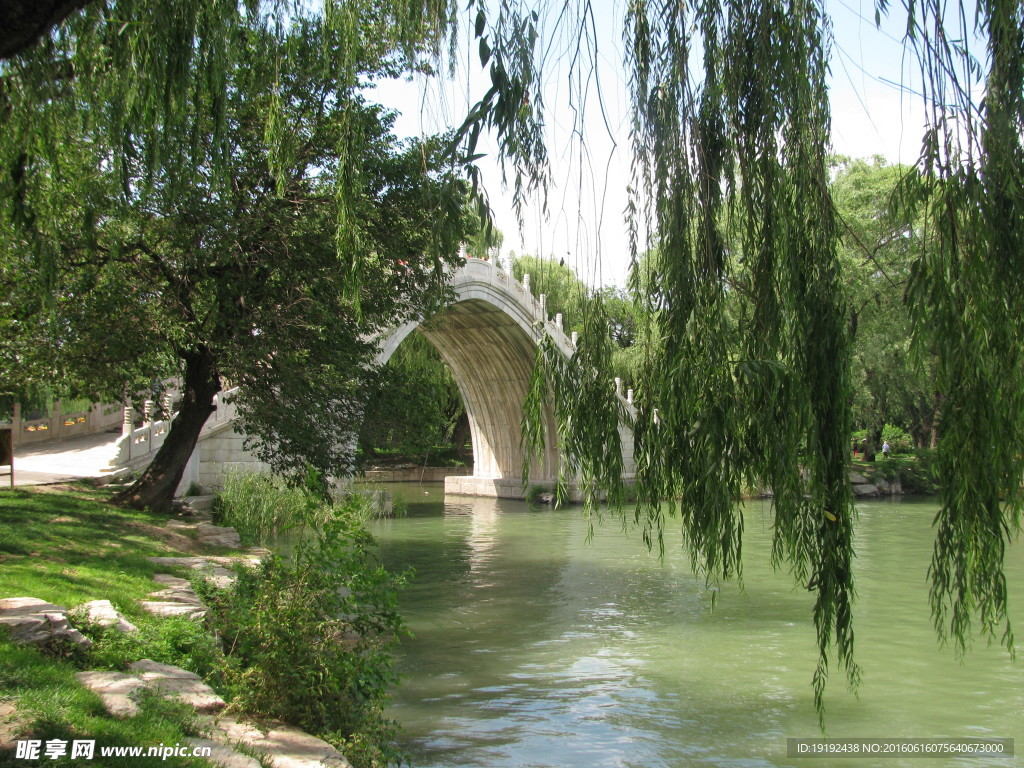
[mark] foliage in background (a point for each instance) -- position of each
(878, 245)
(417, 405)
(568, 295)
(310, 637)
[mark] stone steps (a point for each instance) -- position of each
(279, 746)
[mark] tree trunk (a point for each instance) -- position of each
(460, 434)
(155, 488)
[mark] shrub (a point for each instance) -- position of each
(311, 637)
(919, 476)
(899, 441)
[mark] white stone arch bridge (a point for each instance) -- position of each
(488, 337)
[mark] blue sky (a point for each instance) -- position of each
(876, 109)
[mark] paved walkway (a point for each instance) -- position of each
(54, 462)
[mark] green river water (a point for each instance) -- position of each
(535, 647)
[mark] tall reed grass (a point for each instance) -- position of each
(261, 507)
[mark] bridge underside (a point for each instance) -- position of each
(491, 357)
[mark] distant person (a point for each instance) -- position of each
(867, 450)
(885, 449)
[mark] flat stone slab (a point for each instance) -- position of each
(218, 536)
(169, 610)
(281, 746)
(102, 612)
(177, 595)
(35, 621)
(170, 581)
(115, 690)
(225, 756)
(857, 479)
(212, 567)
(200, 503)
(179, 684)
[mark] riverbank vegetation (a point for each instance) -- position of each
(306, 639)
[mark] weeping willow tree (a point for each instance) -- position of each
(748, 379)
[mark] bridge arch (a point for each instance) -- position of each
(488, 337)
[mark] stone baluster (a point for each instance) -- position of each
(629, 396)
(558, 321)
(544, 306)
(462, 251)
(618, 386)
(657, 421)
(147, 410)
(126, 423)
(168, 401)
(526, 283)
(575, 338)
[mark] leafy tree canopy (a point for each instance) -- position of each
(285, 227)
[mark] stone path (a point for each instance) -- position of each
(279, 746)
(177, 598)
(59, 461)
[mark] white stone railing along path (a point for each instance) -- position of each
(60, 425)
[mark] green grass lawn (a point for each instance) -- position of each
(66, 546)
(69, 547)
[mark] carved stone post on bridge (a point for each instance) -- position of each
(575, 339)
(126, 430)
(558, 321)
(526, 283)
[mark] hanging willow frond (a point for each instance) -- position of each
(967, 302)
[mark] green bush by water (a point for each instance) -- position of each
(311, 638)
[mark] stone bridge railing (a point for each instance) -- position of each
(137, 445)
